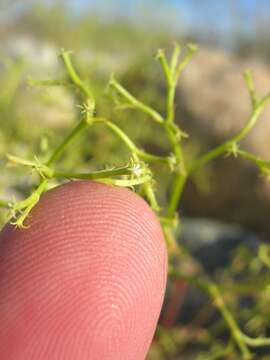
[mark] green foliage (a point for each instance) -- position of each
(55, 161)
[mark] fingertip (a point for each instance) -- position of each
(85, 280)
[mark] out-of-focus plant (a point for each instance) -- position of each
(139, 173)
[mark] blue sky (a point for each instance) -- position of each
(219, 16)
(191, 13)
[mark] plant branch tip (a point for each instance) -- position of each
(160, 53)
(176, 45)
(112, 79)
(43, 170)
(64, 52)
(192, 47)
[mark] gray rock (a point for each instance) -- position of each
(213, 243)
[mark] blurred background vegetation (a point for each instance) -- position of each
(225, 207)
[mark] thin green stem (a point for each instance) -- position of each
(263, 165)
(175, 72)
(258, 342)
(169, 222)
(25, 206)
(60, 149)
(164, 64)
(251, 89)
(130, 144)
(249, 156)
(150, 195)
(177, 190)
(253, 119)
(119, 132)
(226, 146)
(75, 79)
(170, 104)
(89, 107)
(102, 174)
(174, 133)
(147, 187)
(175, 57)
(191, 50)
(148, 190)
(135, 102)
(154, 158)
(171, 83)
(180, 171)
(241, 339)
(126, 182)
(32, 198)
(214, 293)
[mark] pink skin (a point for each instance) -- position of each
(86, 280)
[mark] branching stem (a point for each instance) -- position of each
(132, 100)
(75, 78)
(130, 144)
(137, 172)
(212, 290)
(227, 145)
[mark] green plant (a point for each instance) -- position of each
(138, 172)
